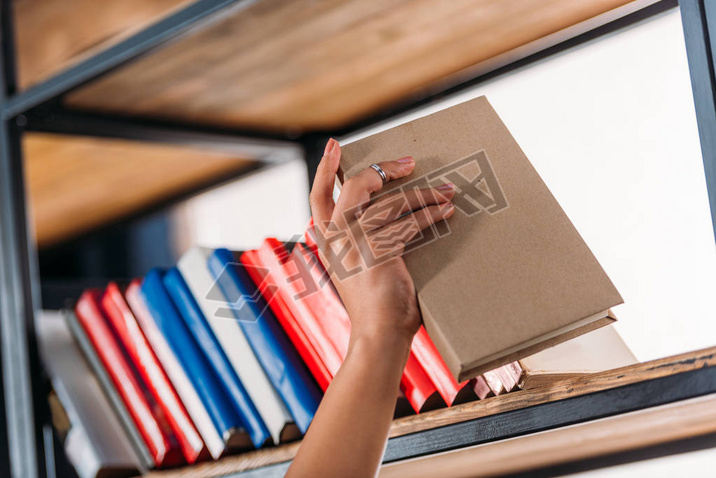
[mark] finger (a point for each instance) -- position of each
(321, 197)
(357, 190)
(392, 238)
(392, 206)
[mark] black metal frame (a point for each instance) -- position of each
(26, 444)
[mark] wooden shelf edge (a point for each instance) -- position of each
(560, 390)
(629, 431)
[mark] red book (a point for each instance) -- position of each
(417, 384)
(130, 335)
(436, 368)
(310, 237)
(275, 256)
(147, 415)
(312, 290)
(267, 275)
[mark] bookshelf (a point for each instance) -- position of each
(79, 183)
(414, 439)
(74, 99)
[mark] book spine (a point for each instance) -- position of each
(232, 386)
(280, 361)
(275, 254)
(96, 442)
(417, 387)
(190, 356)
(316, 291)
(435, 367)
(145, 412)
(185, 388)
(506, 377)
(281, 305)
(481, 388)
(132, 338)
(493, 381)
(193, 268)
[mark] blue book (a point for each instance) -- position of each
(200, 373)
(279, 359)
(234, 390)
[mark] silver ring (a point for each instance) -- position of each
(380, 171)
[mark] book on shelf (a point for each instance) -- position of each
(95, 443)
(269, 279)
(228, 379)
(132, 338)
(167, 320)
(279, 272)
(148, 417)
(194, 269)
(597, 351)
(308, 279)
(508, 274)
(430, 360)
(217, 373)
(184, 387)
(120, 409)
(280, 360)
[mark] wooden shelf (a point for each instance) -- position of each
(52, 35)
(411, 433)
(77, 184)
(306, 66)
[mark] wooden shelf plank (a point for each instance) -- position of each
(569, 388)
(52, 35)
(304, 66)
(630, 431)
(76, 184)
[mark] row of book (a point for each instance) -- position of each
(232, 351)
(222, 353)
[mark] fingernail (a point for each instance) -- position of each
(446, 187)
(336, 146)
(329, 146)
(405, 160)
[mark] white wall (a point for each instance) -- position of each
(611, 128)
(270, 203)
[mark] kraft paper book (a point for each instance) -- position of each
(507, 275)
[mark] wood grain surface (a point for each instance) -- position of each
(643, 428)
(52, 35)
(567, 388)
(76, 184)
(315, 65)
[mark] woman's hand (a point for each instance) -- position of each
(380, 297)
(348, 434)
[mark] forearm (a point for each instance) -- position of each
(348, 434)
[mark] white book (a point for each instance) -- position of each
(95, 444)
(193, 267)
(599, 350)
(196, 409)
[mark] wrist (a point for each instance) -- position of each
(379, 343)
